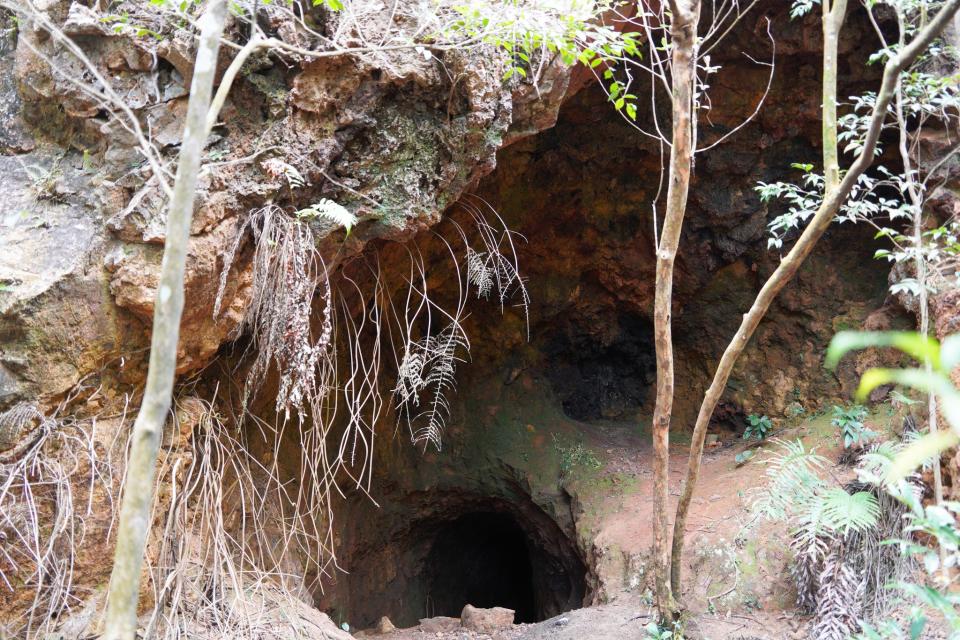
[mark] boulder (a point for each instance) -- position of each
(486, 620)
(384, 625)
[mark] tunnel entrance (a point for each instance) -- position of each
(430, 554)
(481, 559)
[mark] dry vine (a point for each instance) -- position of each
(53, 482)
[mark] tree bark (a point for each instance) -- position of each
(792, 262)
(683, 35)
(121, 616)
(833, 17)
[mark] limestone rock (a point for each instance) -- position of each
(439, 624)
(486, 620)
(387, 136)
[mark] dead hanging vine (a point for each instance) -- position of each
(330, 399)
(426, 373)
(287, 272)
(52, 485)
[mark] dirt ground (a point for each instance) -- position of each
(621, 621)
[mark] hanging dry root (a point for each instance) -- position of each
(236, 544)
(287, 273)
(57, 487)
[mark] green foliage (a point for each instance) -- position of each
(757, 427)
(866, 201)
(942, 358)
(531, 32)
(888, 464)
(925, 92)
(329, 210)
(575, 456)
(654, 631)
(937, 526)
(796, 493)
(849, 420)
(800, 8)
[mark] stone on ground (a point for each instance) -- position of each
(384, 625)
(486, 620)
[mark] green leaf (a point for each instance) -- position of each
(847, 512)
(909, 342)
(916, 627)
(911, 458)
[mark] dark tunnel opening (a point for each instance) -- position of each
(483, 559)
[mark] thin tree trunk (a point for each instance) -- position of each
(683, 35)
(121, 617)
(792, 262)
(833, 17)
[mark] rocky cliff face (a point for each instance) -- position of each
(416, 146)
(395, 137)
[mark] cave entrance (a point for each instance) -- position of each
(430, 554)
(482, 559)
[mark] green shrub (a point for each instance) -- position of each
(850, 423)
(757, 427)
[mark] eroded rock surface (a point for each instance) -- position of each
(396, 137)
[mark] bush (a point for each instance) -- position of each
(757, 427)
(850, 422)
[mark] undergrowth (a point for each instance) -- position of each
(841, 565)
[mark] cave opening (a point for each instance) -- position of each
(605, 376)
(481, 559)
(457, 549)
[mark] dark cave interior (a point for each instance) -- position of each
(482, 559)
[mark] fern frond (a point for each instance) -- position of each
(326, 209)
(844, 512)
(429, 368)
(793, 480)
(479, 273)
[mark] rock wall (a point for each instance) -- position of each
(400, 139)
(395, 137)
(533, 414)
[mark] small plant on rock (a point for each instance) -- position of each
(850, 423)
(757, 427)
(575, 456)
